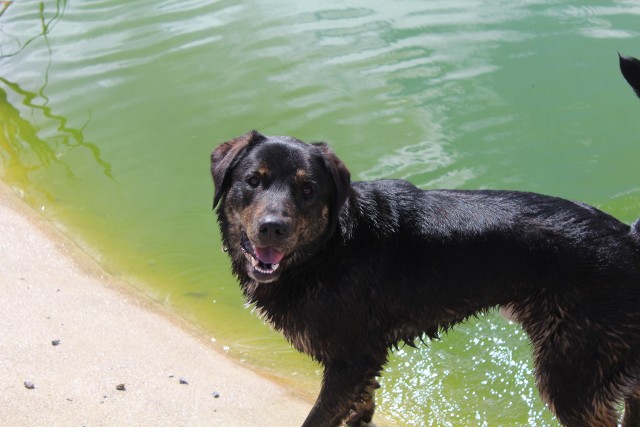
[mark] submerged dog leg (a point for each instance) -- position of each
(341, 386)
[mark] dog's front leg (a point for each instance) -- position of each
(342, 384)
(364, 406)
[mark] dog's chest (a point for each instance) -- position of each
(308, 325)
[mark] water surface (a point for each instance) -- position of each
(109, 110)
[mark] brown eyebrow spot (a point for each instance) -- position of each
(263, 169)
(301, 175)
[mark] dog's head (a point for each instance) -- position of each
(278, 198)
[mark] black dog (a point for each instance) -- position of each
(347, 270)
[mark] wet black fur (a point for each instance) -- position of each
(399, 263)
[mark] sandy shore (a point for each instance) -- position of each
(106, 336)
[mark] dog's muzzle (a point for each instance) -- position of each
(263, 261)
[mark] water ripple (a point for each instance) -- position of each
(125, 36)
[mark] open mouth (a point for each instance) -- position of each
(264, 260)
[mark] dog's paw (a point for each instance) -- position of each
(359, 423)
(361, 417)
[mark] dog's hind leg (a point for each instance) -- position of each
(592, 415)
(577, 386)
(580, 414)
(576, 398)
(632, 410)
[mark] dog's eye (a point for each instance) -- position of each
(307, 190)
(253, 181)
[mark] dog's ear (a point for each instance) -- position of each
(630, 68)
(340, 177)
(224, 157)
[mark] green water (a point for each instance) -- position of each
(109, 110)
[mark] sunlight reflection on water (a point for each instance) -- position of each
(481, 365)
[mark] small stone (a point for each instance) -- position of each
(121, 387)
(216, 394)
(184, 381)
(29, 385)
(55, 342)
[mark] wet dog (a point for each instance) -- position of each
(348, 270)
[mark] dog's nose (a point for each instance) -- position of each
(273, 227)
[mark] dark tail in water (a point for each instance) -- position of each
(630, 68)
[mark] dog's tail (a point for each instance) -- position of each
(630, 68)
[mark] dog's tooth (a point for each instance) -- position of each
(254, 262)
(274, 267)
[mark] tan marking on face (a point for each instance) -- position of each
(263, 169)
(301, 175)
(309, 229)
(325, 213)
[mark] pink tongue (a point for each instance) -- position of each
(268, 255)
